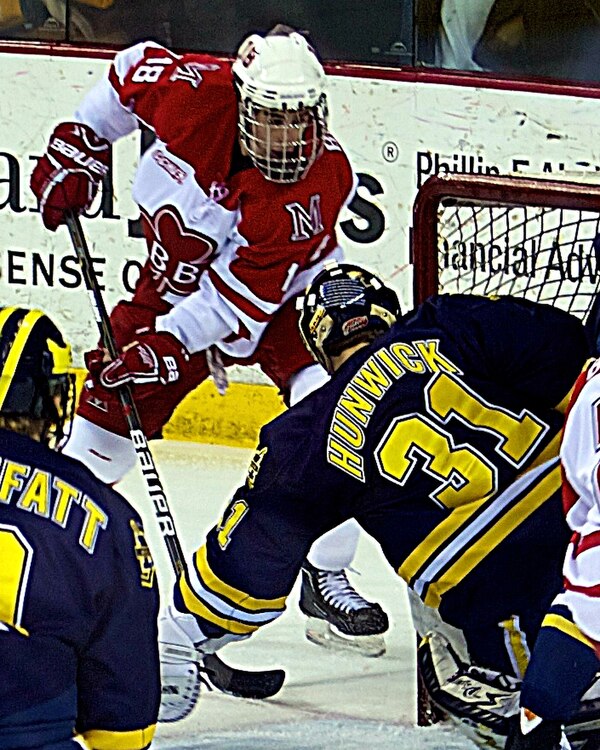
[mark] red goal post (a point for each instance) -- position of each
(486, 234)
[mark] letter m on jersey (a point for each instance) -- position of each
(305, 223)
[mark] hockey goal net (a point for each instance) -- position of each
(489, 235)
(508, 235)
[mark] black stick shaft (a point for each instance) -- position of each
(239, 682)
(154, 484)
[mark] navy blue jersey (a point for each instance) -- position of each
(441, 439)
(78, 606)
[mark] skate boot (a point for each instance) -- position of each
(339, 617)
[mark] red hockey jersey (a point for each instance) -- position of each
(226, 247)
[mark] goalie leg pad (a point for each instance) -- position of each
(479, 701)
(484, 704)
(180, 690)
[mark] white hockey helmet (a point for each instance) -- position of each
(282, 103)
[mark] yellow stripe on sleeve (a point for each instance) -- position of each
(103, 739)
(568, 627)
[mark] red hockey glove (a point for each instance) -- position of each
(68, 175)
(155, 358)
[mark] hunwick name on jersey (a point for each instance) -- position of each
(359, 399)
(39, 492)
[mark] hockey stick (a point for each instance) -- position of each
(239, 682)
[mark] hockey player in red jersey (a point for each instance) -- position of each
(78, 593)
(239, 197)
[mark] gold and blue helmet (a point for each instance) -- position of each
(36, 379)
(345, 304)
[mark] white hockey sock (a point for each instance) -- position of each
(335, 550)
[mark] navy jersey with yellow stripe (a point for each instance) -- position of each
(78, 607)
(441, 439)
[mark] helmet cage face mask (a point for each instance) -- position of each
(282, 103)
(282, 144)
(344, 305)
(36, 381)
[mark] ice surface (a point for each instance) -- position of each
(329, 701)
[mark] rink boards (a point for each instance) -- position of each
(398, 126)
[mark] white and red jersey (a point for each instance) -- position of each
(580, 456)
(226, 247)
